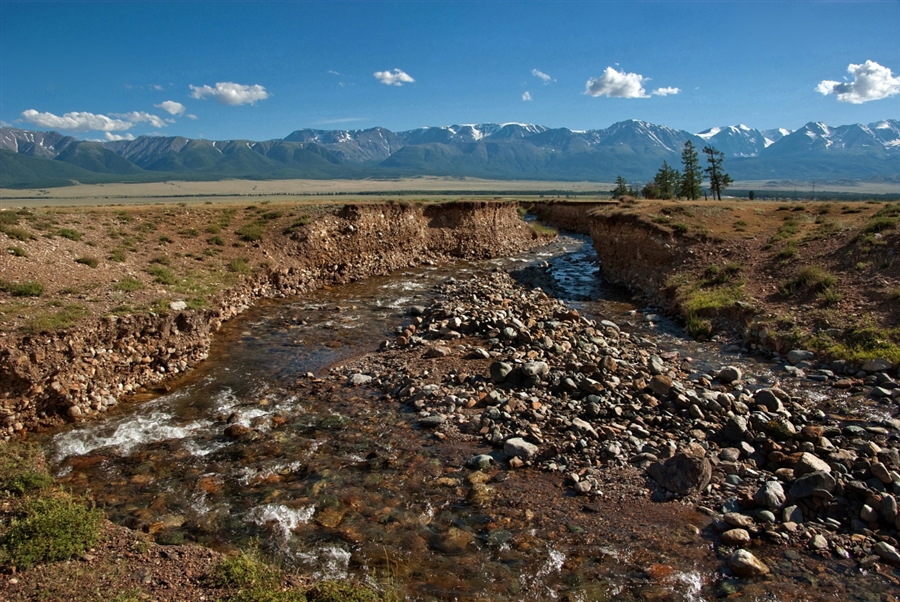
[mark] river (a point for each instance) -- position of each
(339, 483)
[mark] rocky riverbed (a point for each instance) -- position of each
(810, 461)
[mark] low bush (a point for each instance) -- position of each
(48, 529)
(22, 289)
(250, 232)
(91, 262)
(810, 278)
(128, 284)
(879, 224)
(117, 255)
(239, 266)
(69, 233)
(16, 233)
(22, 470)
(161, 275)
(17, 251)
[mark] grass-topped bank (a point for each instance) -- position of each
(58, 547)
(98, 303)
(817, 275)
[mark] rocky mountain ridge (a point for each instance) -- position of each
(634, 149)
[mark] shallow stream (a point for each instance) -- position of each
(342, 483)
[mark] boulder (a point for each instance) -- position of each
(770, 495)
(745, 564)
(682, 473)
(519, 448)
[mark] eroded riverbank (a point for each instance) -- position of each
(376, 479)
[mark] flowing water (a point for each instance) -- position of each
(336, 482)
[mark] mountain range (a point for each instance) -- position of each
(633, 149)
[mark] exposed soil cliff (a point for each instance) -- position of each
(73, 373)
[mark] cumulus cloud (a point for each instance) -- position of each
(666, 91)
(871, 81)
(139, 117)
(76, 121)
(617, 84)
(526, 96)
(541, 76)
(230, 93)
(116, 137)
(171, 107)
(394, 78)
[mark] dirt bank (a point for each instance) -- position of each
(820, 276)
(82, 328)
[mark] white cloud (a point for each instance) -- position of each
(191, 116)
(76, 121)
(526, 96)
(139, 117)
(171, 107)
(116, 137)
(157, 87)
(617, 84)
(393, 78)
(541, 76)
(871, 81)
(666, 91)
(230, 93)
(333, 72)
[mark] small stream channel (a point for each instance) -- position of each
(342, 484)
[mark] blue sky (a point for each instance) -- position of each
(257, 70)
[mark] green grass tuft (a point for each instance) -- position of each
(161, 275)
(91, 262)
(16, 233)
(128, 284)
(239, 266)
(69, 233)
(59, 320)
(250, 232)
(17, 251)
(22, 289)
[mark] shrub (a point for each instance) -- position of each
(879, 224)
(216, 240)
(9, 218)
(250, 232)
(161, 275)
(300, 222)
(117, 255)
(164, 240)
(17, 251)
(189, 233)
(341, 591)
(16, 233)
(680, 227)
(788, 251)
(161, 260)
(69, 233)
(696, 326)
(244, 570)
(22, 289)
(128, 284)
(740, 225)
(22, 469)
(809, 278)
(91, 262)
(239, 266)
(48, 529)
